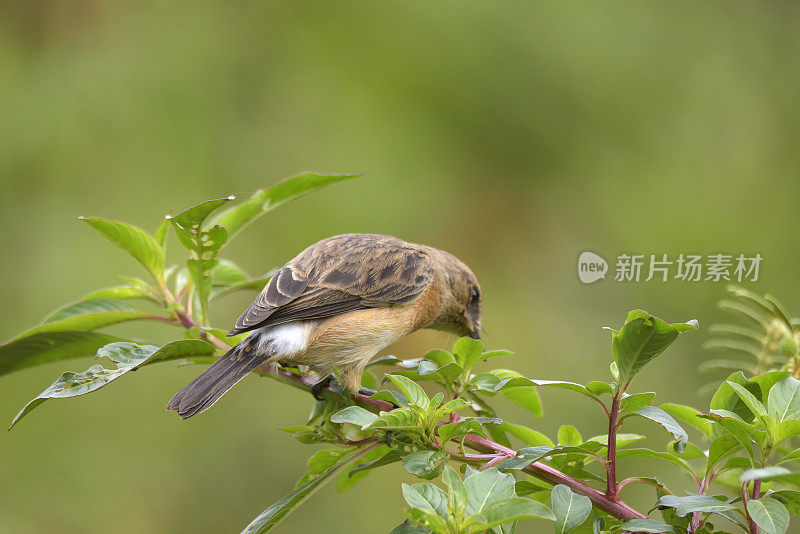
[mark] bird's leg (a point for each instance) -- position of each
(321, 384)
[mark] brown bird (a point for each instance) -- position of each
(338, 303)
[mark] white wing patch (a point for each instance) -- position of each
(283, 340)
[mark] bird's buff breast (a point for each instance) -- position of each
(348, 339)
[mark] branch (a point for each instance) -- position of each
(537, 469)
(612, 491)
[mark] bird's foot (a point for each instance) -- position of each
(317, 388)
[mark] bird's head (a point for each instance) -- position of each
(462, 299)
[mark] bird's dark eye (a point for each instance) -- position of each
(475, 296)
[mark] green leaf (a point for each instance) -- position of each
(407, 528)
(127, 357)
(569, 436)
(690, 416)
(623, 439)
(449, 373)
(641, 339)
(467, 352)
(395, 397)
(790, 499)
(783, 401)
(749, 399)
(46, 347)
(737, 428)
(84, 322)
(138, 243)
(631, 403)
(645, 525)
(600, 388)
(440, 357)
(272, 516)
(511, 509)
(694, 503)
(457, 491)
(527, 435)
(525, 397)
(722, 447)
(355, 415)
(665, 420)
(571, 386)
(120, 293)
(769, 514)
(391, 457)
(264, 200)
(570, 509)
(196, 215)
(787, 429)
(426, 496)
(656, 455)
(468, 425)
(415, 394)
(486, 487)
(425, 464)
(98, 305)
(428, 519)
(405, 418)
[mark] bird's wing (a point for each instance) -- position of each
(341, 274)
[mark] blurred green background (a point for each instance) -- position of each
(514, 135)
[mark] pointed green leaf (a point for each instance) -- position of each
(138, 243)
(569, 436)
(197, 214)
(749, 399)
(45, 347)
(631, 403)
(425, 464)
(570, 509)
(457, 491)
(486, 487)
(646, 525)
(98, 305)
(527, 435)
(694, 503)
(127, 356)
(783, 401)
(665, 420)
(405, 418)
(641, 339)
(392, 456)
(769, 514)
(272, 516)
(355, 415)
(264, 200)
(512, 509)
(121, 293)
(426, 496)
(690, 416)
(415, 394)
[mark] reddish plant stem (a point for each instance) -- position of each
(612, 490)
(753, 528)
(554, 476)
(696, 516)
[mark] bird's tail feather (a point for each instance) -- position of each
(223, 374)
